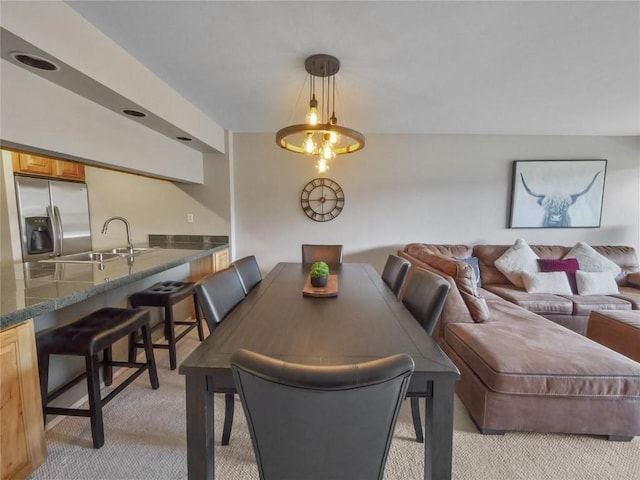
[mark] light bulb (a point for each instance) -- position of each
(327, 152)
(322, 165)
(309, 145)
(312, 117)
(334, 138)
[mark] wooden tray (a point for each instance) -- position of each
(330, 290)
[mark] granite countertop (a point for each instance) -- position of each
(34, 288)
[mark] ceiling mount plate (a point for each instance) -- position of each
(322, 65)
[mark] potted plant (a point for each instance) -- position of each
(319, 274)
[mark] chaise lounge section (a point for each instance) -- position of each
(521, 371)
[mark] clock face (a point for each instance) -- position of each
(322, 199)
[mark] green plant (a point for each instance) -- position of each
(319, 270)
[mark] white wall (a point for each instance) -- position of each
(419, 188)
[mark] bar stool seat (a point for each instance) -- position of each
(166, 295)
(87, 337)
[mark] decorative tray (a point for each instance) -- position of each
(330, 290)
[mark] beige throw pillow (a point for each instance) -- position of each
(591, 261)
(596, 283)
(555, 283)
(517, 259)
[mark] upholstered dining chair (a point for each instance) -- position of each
(320, 422)
(249, 272)
(218, 294)
(395, 273)
(331, 254)
(424, 297)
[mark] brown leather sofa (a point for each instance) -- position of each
(521, 371)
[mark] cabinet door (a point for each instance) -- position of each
(221, 259)
(21, 423)
(71, 170)
(32, 164)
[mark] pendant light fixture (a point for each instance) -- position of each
(321, 136)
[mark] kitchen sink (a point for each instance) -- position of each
(97, 256)
(85, 257)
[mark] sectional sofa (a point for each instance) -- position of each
(520, 370)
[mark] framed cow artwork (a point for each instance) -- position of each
(557, 193)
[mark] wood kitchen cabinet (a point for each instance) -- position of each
(47, 167)
(204, 266)
(21, 424)
(221, 259)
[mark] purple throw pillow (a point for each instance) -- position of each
(568, 265)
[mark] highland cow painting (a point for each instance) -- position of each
(557, 193)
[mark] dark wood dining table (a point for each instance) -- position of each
(364, 321)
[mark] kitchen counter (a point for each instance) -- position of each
(32, 289)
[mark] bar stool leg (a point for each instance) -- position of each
(95, 403)
(170, 334)
(198, 318)
(151, 359)
(133, 350)
(228, 418)
(107, 367)
(43, 371)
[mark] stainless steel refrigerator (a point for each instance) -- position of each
(54, 217)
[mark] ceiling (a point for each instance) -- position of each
(560, 68)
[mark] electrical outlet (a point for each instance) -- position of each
(189, 217)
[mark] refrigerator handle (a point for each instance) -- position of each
(60, 232)
(54, 227)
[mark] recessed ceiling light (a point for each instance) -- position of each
(134, 113)
(184, 139)
(34, 61)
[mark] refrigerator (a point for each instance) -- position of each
(54, 217)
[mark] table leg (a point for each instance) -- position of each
(438, 431)
(200, 447)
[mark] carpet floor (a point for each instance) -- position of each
(145, 439)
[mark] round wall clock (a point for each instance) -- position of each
(322, 199)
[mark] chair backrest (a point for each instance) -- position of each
(331, 254)
(249, 272)
(395, 273)
(424, 297)
(218, 294)
(320, 422)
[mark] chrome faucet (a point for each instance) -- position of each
(128, 227)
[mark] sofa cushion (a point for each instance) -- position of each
(631, 295)
(517, 259)
(464, 277)
(418, 249)
(585, 304)
(569, 266)
(521, 353)
(541, 303)
(591, 261)
(547, 282)
(596, 283)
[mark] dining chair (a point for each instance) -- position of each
(331, 254)
(218, 294)
(249, 272)
(424, 297)
(395, 273)
(320, 422)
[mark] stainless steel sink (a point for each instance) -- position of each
(85, 257)
(123, 251)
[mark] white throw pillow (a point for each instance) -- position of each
(517, 259)
(591, 261)
(556, 283)
(596, 283)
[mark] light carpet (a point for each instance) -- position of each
(145, 439)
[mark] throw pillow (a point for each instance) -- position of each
(517, 259)
(473, 262)
(569, 266)
(555, 283)
(592, 261)
(596, 283)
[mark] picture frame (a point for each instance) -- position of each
(557, 193)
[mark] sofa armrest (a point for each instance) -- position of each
(633, 279)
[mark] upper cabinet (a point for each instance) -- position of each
(47, 167)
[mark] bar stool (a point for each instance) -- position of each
(166, 295)
(87, 337)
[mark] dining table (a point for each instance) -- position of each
(364, 321)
